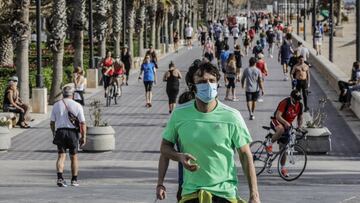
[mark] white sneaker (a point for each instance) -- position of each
(285, 78)
(260, 100)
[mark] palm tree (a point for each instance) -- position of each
(100, 24)
(21, 34)
(140, 24)
(177, 14)
(130, 13)
(152, 20)
(117, 24)
(57, 29)
(77, 10)
(6, 45)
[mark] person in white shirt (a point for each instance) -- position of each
(303, 51)
(235, 32)
(226, 33)
(66, 135)
(189, 34)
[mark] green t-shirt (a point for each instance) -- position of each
(212, 139)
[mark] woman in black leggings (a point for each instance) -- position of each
(172, 77)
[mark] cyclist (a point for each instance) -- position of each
(286, 112)
(107, 70)
(118, 76)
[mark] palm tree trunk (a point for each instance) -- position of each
(182, 19)
(78, 21)
(100, 25)
(22, 35)
(6, 50)
(152, 21)
(130, 13)
(171, 30)
(158, 37)
(57, 37)
(213, 10)
(117, 24)
(140, 21)
(166, 31)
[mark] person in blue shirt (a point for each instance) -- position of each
(149, 78)
(224, 56)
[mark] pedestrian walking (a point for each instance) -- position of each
(231, 75)
(270, 37)
(126, 58)
(209, 50)
(189, 35)
(262, 66)
(226, 33)
(318, 35)
(224, 57)
(258, 49)
(204, 175)
(302, 76)
(252, 80)
(172, 78)
(79, 85)
(284, 57)
(67, 120)
(153, 57)
(303, 51)
(176, 41)
(294, 60)
(235, 32)
(279, 36)
(149, 78)
(238, 55)
(246, 42)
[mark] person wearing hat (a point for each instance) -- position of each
(13, 103)
(126, 58)
(66, 133)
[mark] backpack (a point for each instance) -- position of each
(288, 103)
(224, 56)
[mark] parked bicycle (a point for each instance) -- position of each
(293, 157)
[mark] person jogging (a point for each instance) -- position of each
(149, 70)
(172, 77)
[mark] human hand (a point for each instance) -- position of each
(186, 160)
(160, 192)
(22, 110)
(287, 125)
(82, 141)
(254, 200)
(139, 78)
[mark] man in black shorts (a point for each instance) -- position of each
(252, 78)
(66, 135)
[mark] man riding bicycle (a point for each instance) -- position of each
(286, 112)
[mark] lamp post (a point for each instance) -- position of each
(297, 17)
(91, 33)
(39, 78)
(304, 20)
(313, 21)
(357, 30)
(331, 25)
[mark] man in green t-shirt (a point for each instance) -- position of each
(208, 133)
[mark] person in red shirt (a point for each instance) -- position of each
(107, 69)
(252, 33)
(262, 66)
(118, 76)
(286, 112)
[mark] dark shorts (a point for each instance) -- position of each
(209, 56)
(285, 61)
(107, 80)
(252, 96)
(285, 138)
(231, 83)
(67, 138)
(188, 38)
(148, 85)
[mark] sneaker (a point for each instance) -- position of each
(227, 99)
(260, 100)
(150, 105)
(284, 172)
(252, 117)
(285, 78)
(61, 183)
(306, 109)
(74, 183)
(235, 99)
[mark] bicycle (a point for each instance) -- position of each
(292, 154)
(113, 92)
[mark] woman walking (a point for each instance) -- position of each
(172, 77)
(79, 84)
(176, 41)
(231, 75)
(127, 60)
(149, 70)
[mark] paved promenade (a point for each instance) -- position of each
(129, 174)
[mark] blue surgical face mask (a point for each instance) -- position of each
(206, 92)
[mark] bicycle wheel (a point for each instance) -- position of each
(295, 160)
(115, 89)
(259, 156)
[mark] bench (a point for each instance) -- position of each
(355, 103)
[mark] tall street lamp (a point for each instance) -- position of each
(91, 34)
(313, 21)
(331, 25)
(304, 20)
(357, 30)
(39, 78)
(297, 17)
